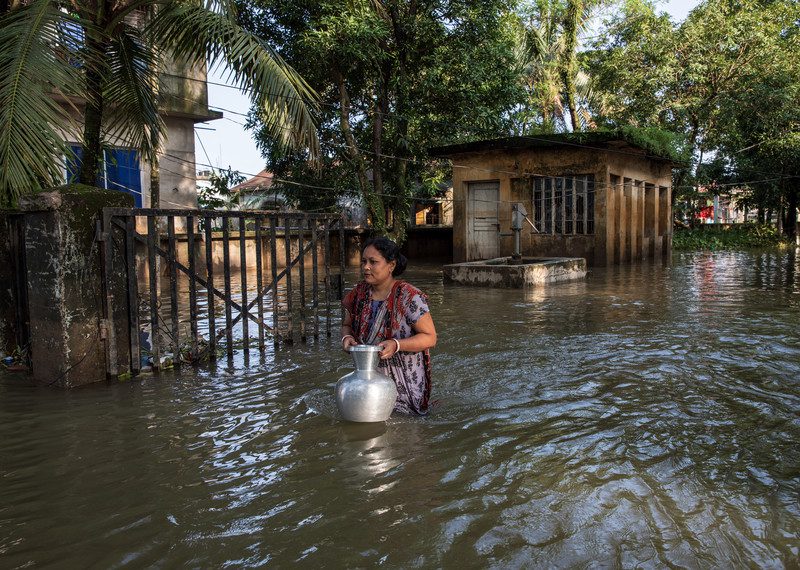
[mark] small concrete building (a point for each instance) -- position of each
(592, 195)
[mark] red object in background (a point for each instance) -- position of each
(706, 213)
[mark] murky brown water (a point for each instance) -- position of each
(647, 417)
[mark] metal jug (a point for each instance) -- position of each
(365, 395)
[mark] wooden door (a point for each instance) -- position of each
(483, 228)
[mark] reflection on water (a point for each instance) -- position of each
(649, 416)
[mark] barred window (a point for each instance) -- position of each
(564, 204)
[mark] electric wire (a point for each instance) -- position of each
(417, 161)
(598, 185)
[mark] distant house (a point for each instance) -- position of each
(258, 193)
(261, 193)
(723, 208)
(591, 195)
(433, 211)
(203, 179)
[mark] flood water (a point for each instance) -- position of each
(648, 417)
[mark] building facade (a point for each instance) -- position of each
(590, 195)
(184, 95)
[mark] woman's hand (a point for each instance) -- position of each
(347, 342)
(389, 348)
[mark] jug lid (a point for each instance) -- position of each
(365, 348)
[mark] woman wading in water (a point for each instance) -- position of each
(392, 314)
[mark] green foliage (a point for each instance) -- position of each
(395, 78)
(53, 53)
(737, 236)
(558, 90)
(219, 194)
(727, 80)
(656, 141)
(30, 120)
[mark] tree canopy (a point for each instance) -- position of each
(727, 79)
(720, 91)
(395, 77)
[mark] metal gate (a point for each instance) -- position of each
(171, 283)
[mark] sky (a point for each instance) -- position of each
(225, 143)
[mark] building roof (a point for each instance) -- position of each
(606, 140)
(261, 181)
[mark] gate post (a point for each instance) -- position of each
(13, 317)
(63, 277)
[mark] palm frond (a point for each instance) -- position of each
(284, 99)
(34, 65)
(132, 92)
(588, 100)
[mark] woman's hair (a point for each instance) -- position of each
(390, 252)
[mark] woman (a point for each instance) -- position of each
(392, 314)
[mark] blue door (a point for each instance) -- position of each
(120, 171)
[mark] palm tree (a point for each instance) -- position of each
(542, 47)
(101, 58)
(575, 82)
(557, 88)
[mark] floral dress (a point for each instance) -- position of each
(411, 371)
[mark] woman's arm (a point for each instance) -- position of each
(348, 338)
(424, 337)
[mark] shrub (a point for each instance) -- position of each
(737, 236)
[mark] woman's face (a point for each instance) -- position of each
(375, 267)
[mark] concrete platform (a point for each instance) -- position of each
(503, 272)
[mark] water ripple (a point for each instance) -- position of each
(647, 417)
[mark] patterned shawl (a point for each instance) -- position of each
(357, 303)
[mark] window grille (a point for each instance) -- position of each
(564, 204)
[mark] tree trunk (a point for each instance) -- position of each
(155, 167)
(95, 108)
(373, 203)
(790, 223)
(401, 201)
(681, 178)
(380, 108)
(92, 129)
(570, 66)
(569, 87)
(155, 184)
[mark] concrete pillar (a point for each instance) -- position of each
(641, 250)
(62, 259)
(625, 222)
(613, 220)
(637, 220)
(604, 222)
(650, 219)
(665, 220)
